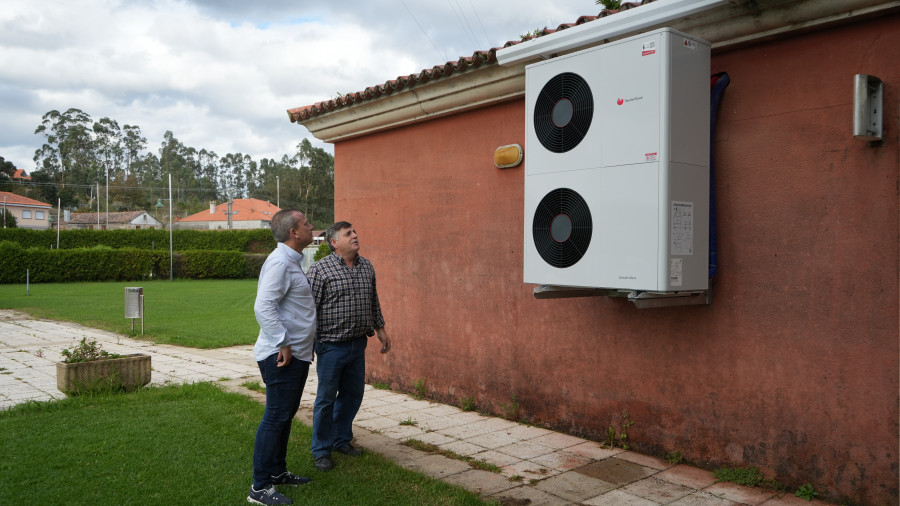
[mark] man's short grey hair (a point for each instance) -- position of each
(332, 232)
(283, 222)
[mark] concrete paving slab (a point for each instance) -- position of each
(575, 487)
(737, 493)
(496, 458)
(438, 466)
(688, 476)
(481, 482)
(703, 499)
(593, 450)
(529, 496)
(619, 498)
(462, 448)
(657, 490)
(616, 471)
(525, 450)
(528, 470)
(557, 441)
(562, 460)
(492, 440)
(644, 460)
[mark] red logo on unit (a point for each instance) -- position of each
(620, 101)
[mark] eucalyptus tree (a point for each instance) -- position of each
(68, 148)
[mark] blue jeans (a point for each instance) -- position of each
(342, 371)
(284, 385)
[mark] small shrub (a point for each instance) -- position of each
(674, 457)
(467, 403)
(381, 386)
(86, 351)
(806, 492)
(619, 438)
(745, 476)
(420, 389)
(321, 252)
(511, 410)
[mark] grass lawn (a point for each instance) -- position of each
(189, 444)
(195, 313)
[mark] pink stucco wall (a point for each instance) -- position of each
(794, 367)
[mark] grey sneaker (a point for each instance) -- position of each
(324, 463)
(289, 478)
(267, 496)
(350, 450)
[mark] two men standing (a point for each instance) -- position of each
(333, 310)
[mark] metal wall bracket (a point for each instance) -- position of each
(566, 292)
(868, 98)
(641, 300)
(645, 300)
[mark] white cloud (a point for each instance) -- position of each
(221, 74)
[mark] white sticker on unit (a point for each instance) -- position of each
(682, 232)
(688, 43)
(648, 48)
(675, 270)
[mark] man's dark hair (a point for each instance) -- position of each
(283, 222)
(333, 230)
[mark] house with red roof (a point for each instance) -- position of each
(20, 176)
(239, 214)
(29, 213)
(791, 367)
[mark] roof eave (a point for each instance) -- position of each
(727, 26)
(488, 85)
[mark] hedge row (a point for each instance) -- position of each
(125, 264)
(247, 241)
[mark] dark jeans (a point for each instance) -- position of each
(284, 385)
(342, 370)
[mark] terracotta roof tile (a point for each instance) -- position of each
(13, 199)
(241, 209)
(464, 63)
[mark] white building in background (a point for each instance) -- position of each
(110, 221)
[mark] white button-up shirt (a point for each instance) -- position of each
(285, 308)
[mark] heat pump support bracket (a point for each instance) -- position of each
(645, 300)
(566, 292)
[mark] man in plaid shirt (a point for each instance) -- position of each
(347, 311)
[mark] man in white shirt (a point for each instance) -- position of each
(286, 313)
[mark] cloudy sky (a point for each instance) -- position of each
(220, 74)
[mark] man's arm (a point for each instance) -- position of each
(273, 285)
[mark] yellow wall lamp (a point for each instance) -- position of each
(508, 156)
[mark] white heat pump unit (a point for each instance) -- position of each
(617, 166)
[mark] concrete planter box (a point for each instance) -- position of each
(128, 372)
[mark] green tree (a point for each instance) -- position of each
(68, 150)
(610, 5)
(7, 169)
(7, 218)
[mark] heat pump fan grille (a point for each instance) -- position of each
(562, 227)
(563, 112)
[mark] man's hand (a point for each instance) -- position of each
(385, 340)
(284, 356)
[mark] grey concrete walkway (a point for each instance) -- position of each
(538, 466)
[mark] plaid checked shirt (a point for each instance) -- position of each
(347, 304)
